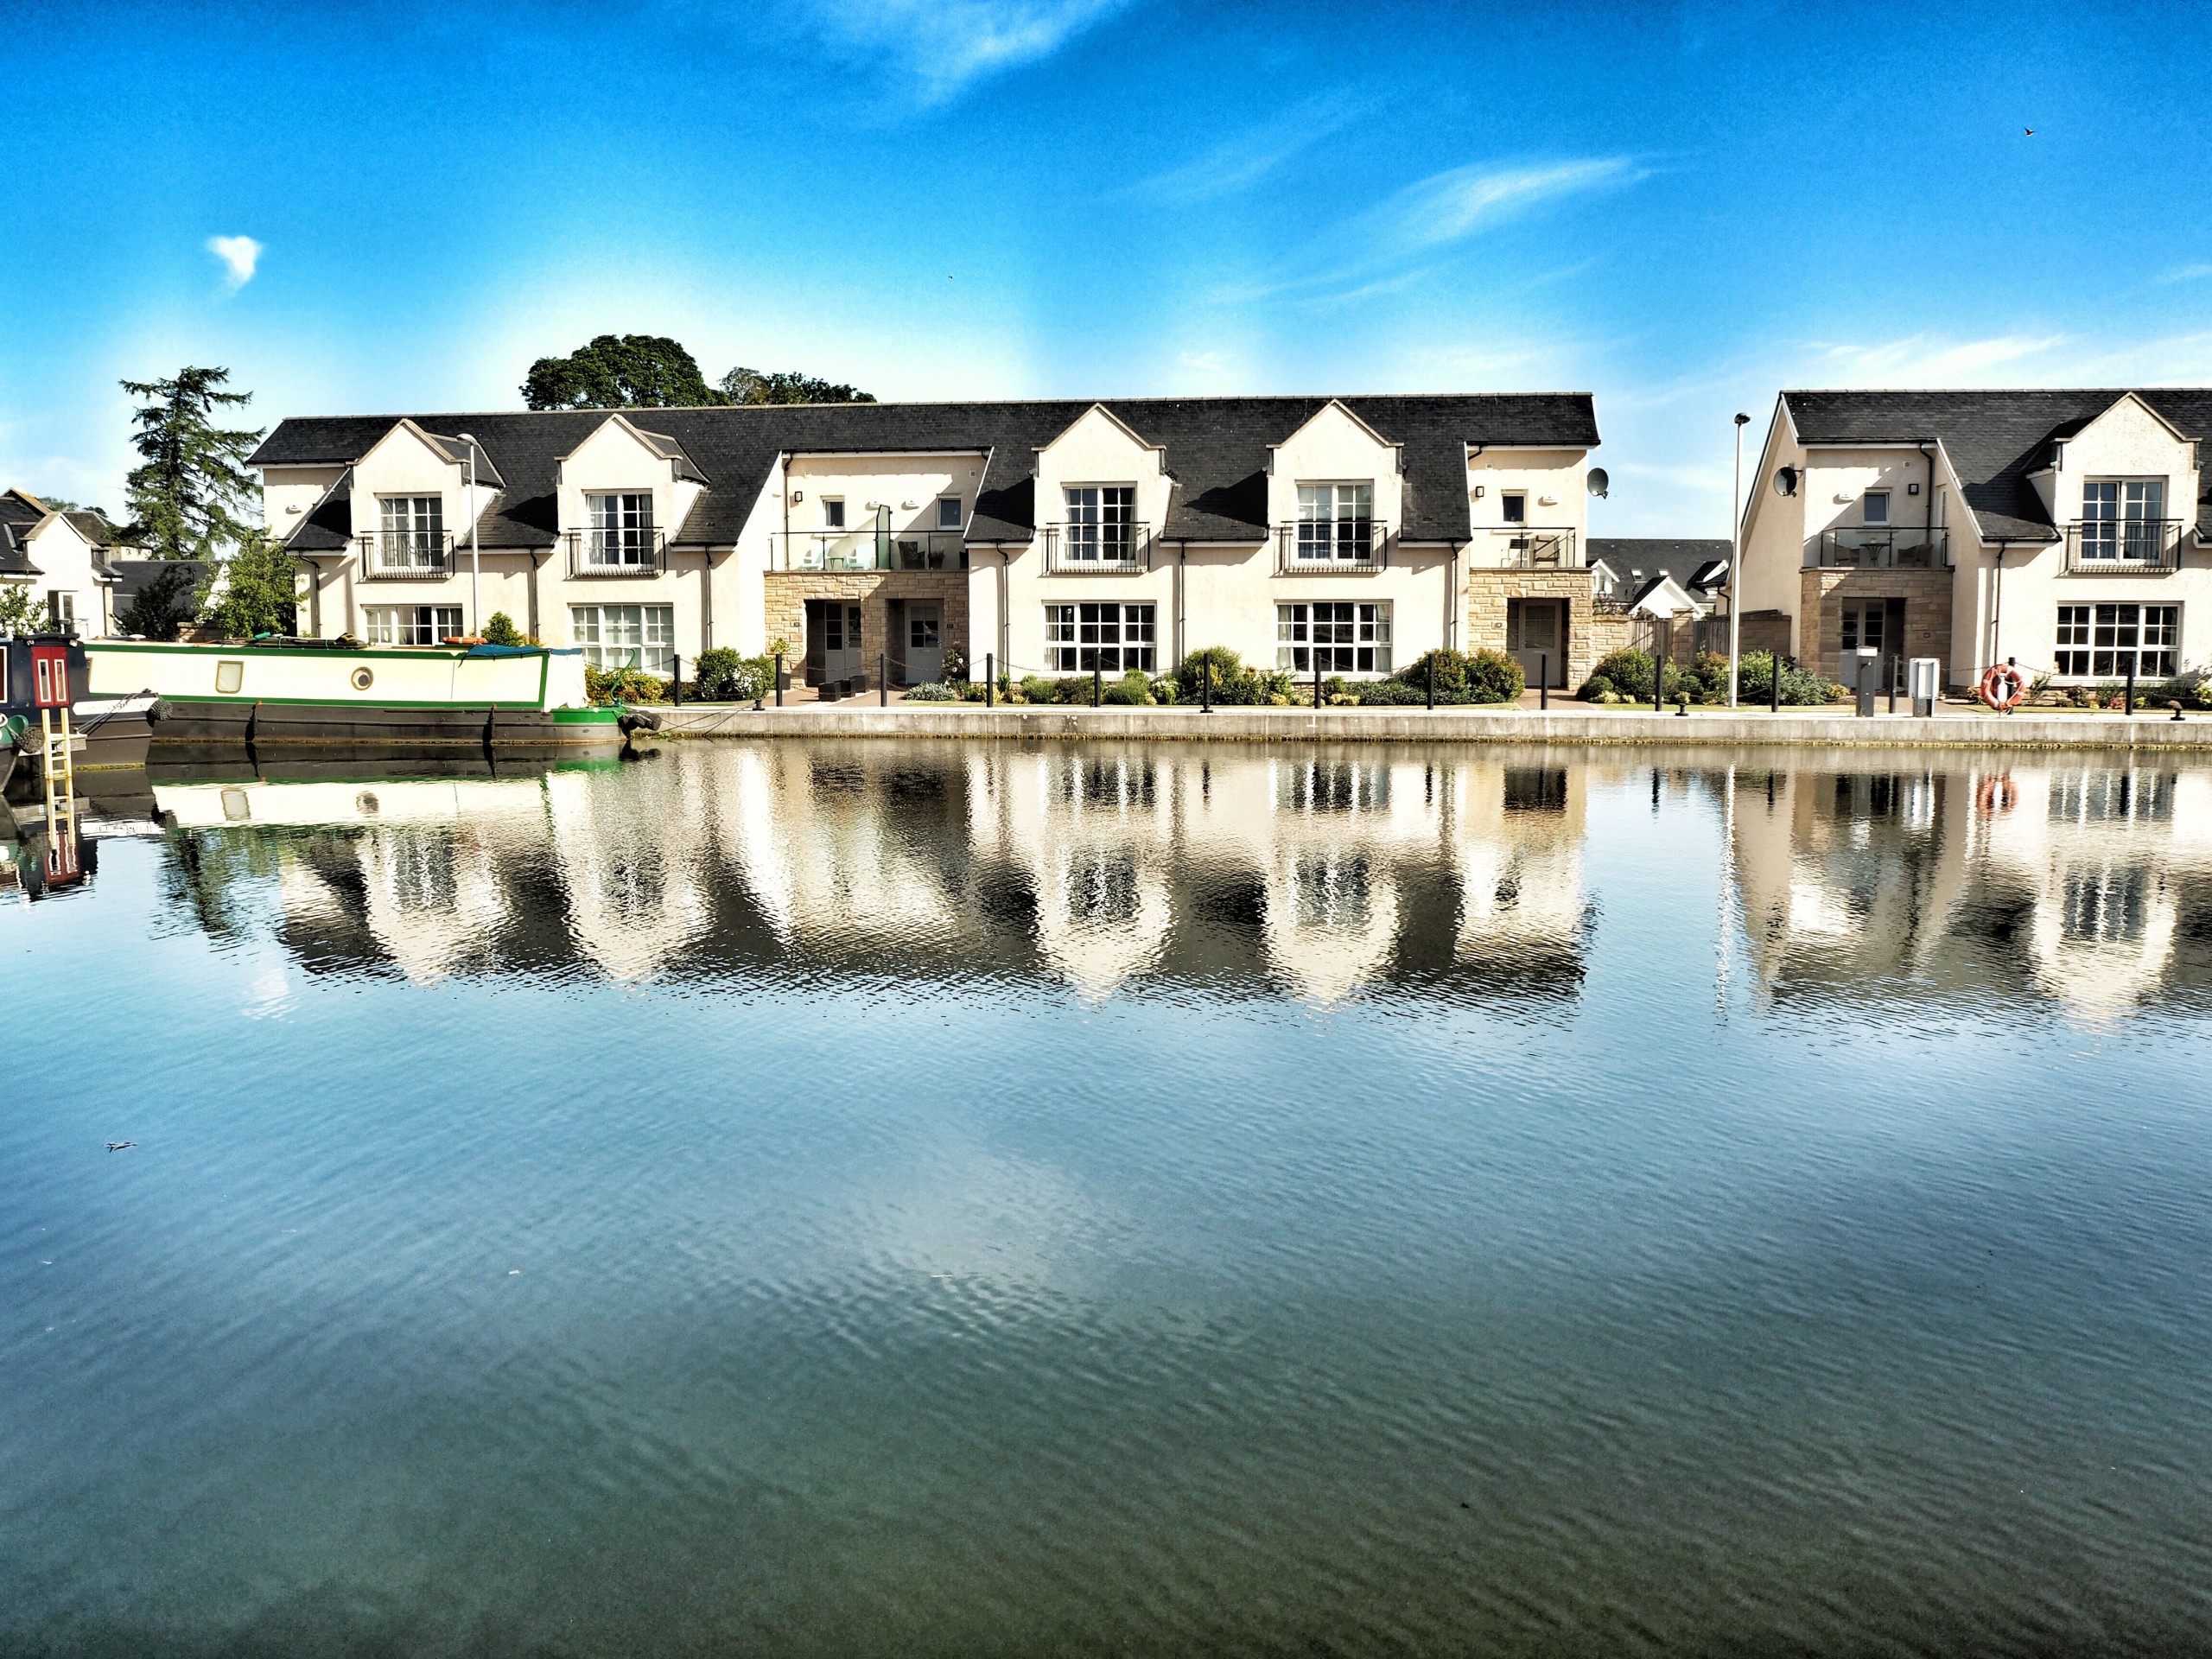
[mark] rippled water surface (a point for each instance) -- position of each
(944, 1200)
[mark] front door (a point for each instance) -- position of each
(834, 647)
(924, 642)
(1535, 632)
(1875, 625)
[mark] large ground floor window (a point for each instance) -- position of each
(620, 636)
(1346, 637)
(2104, 641)
(411, 624)
(1112, 638)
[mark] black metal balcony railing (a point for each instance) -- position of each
(1097, 550)
(1881, 547)
(1334, 547)
(1526, 547)
(2123, 547)
(867, 549)
(406, 555)
(628, 551)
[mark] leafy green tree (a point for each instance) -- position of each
(254, 591)
(19, 611)
(620, 372)
(751, 386)
(192, 498)
(160, 608)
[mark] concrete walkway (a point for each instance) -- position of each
(1954, 727)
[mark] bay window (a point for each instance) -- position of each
(1335, 637)
(1110, 638)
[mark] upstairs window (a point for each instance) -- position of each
(833, 511)
(1336, 521)
(413, 530)
(948, 512)
(1102, 518)
(1515, 508)
(621, 530)
(1874, 507)
(2123, 518)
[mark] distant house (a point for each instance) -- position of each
(2066, 529)
(62, 557)
(1644, 584)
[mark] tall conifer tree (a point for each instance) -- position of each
(191, 497)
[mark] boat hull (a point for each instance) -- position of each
(181, 725)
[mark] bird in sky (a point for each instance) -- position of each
(2030, 133)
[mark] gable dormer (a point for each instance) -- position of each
(623, 493)
(1338, 468)
(1103, 489)
(2134, 460)
(411, 497)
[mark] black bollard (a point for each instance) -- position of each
(2131, 687)
(990, 680)
(1317, 678)
(1774, 684)
(1543, 684)
(1431, 679)
(780, 680)
(1206, 685)
(1097, 683)
(882, 682)
(675, 680)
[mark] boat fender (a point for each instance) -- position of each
(639, 720)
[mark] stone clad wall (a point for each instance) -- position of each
(783, 609)
(1927, 594)
(1488, 590)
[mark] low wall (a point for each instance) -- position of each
(1823, 730)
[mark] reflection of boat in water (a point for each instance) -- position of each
(295, 695)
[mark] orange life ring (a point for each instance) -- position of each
(1998, 793)
(2004, 687)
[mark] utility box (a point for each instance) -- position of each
(1867, 673)
(1924, 676)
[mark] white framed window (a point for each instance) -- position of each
(1338, 636)
(1112, 638)
(2123, 517)
(62, 611)
(2103, 641)
(833, 512)
(1862, 626)
(411, 624)
(620, 636)
(948, 512)
(413, 531)
(1101, 521)
(621, 532)
(1336, 521)
(1874, 507)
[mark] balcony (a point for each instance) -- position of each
(1342, 547)
(1097, 550)
(1526, 547)
(406, 555)
(1881, 547)
(867, 549)
(631, 550)
(2123, 547)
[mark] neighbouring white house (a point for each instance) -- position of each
(62, 557)
(2065, 531)
(1352, 533)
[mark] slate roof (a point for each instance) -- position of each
(1994, 439)
(1215, 449)
(15, 557)
(132, 575)
(1698, 565)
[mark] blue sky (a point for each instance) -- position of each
(1680, 208)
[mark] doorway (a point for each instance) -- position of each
(924, 641)
(1876, 624)
(834, 647)
(1535, 635)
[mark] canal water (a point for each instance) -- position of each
(941, 1199)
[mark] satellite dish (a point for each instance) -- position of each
(1598, 482)
(1785, 481)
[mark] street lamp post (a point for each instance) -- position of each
(475, 560)
(1735, 565)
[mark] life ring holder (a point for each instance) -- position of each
(2003, 687)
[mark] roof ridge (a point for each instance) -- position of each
(946, 403)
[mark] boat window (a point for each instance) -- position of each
(229, 676)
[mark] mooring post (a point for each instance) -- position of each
(1431, 679)
(779, 679)
(1206, 685)
(1543, 684)
(675, 680)
(1317, 678)
(990, 680)
(2131, 687)
(882, 681)
(1097, 683)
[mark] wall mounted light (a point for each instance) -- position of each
(798, 495)
(1475, 494)
(1912, 488)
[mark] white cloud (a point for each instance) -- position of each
(1920, 360)
(1245, 160)
(949, 45)
(239, 255)
(1451, 207)
(2187, 273)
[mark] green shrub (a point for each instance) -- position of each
(1493, 677)
(1450, 670)
(1035, 688)
(1596, 689)
(932, 691)
(606, 685)
(1755, 682)
(725, 677)
(1075, 691)
(1390, 694)
(1227, 669)
(501, 630)
(1628, 673)
(1132, 690)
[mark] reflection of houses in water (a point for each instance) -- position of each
(2070, 878)
(1324, 872)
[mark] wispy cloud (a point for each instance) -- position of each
(1927, 361)
(951, 45)
(239, 255)
(2187, 273)
(1447, 208)
(1243, 161)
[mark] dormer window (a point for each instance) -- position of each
(1102, 518)
(1874, 507)
(412, 532)
(948, 512)
(833, 511)
(621, 529)
(1336, 521)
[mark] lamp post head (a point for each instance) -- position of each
(1742, 420)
